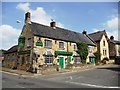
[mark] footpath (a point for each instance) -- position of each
(73, 69)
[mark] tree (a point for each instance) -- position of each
(97, 56)
(82, 50)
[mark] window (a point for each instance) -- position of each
(70, 43)
(103, 43)
(55, 42)
(29, 42)
(90, 49)
(48, 43)
(76, 59)
(61, 45)
(104, 52)
(28, 59)
(75, 47)
(48, 59)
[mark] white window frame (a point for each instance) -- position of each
(48, 43)
(49, 61)
(61, 45)
(75, 47)
(29, 40)
(76, 60)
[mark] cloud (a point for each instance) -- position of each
(9, 36)
(113, 23)
(38, 15)
(23, 6)
(113, 33)
(111, 27)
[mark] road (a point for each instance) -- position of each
(101, 77)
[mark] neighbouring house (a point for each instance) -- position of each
(40, 45)
(117, 48)
(11, 57)
(91, 49)
(2, 55)
(114, 48)
(101, 39)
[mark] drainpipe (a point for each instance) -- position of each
(67, 46)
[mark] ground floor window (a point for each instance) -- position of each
(28, 59)
(77, 59)
(48, 59)
(18, 61)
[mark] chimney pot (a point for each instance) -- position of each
(53, 24)
(27, 17)
(111, 38)
(84, 32)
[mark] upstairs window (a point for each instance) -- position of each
(75, 47)
(61, 45)
(48, 43)
(103, 43)
(29, 42)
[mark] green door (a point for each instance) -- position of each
(69, 58)
(93, 60)
(61, 62)
(23, 60)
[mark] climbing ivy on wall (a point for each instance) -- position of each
(82, 50)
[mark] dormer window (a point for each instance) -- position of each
(29, 42)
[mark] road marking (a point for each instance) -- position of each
(91, 85)
(20, 86)
(10, 73)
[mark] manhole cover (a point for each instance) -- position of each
(26, 83)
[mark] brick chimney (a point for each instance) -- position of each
(53, 24)
(27, 17)
(111, 38)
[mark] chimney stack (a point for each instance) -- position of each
(53, 24)
(111, 38)
(84, 32)
(27, 17)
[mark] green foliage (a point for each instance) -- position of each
(82, 50)
(97, 56)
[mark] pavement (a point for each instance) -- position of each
(75, 69)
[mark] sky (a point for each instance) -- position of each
(75, 16)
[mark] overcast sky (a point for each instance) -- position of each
(78, 16)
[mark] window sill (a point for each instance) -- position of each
(48, 47)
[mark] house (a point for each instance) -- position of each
(101, 39)
(91, 49)
(40, 45)
(2, 55)
(10, 57)
(114, 48)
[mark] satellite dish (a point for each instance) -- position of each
(18, 21)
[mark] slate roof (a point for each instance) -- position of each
(96, 36)
(117, 42)
(12, 49)
(58, 33)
